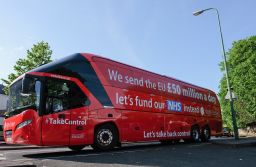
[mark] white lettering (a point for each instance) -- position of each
(165, 134)
(64, 121)
(211, 99)
(191, 109)
(114, 75)
(134, 81)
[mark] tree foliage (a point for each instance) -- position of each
(241, 60)
(38, 55)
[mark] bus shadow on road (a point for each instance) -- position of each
(88, 150)
(128, 154)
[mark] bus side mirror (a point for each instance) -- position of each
(6, 115)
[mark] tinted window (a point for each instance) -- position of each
(77, 66)
(63, 95)
(85, 73)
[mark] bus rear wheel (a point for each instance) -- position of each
(105, 137)
(206, 134)
(76, 148)
(195, 134)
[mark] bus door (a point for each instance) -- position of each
(57, 112)
(66, 113)
(55, 130)
(79, 113)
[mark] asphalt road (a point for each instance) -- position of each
(153, 154)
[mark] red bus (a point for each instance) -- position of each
(85, 99)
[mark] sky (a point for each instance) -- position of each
(161, 36)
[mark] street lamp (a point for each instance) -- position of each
(227, 74)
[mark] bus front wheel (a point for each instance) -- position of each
(105, 137)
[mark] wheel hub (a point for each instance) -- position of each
(206, 133)
(105, 137)
(195, 134)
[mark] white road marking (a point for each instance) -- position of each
(36, 151)
(2, 157)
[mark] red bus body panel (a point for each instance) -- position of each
(141, 97)
(30, 134)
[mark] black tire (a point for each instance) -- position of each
(195, 134)
(206, 134)
(105, 137)
(76, 148)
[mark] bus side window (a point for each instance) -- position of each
(77, 97)
(62, 95)
(56, 96)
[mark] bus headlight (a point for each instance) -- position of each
(24, 123)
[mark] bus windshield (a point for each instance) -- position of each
(18, 101)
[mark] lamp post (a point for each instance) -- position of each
(226, 70)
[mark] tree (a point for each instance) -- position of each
(241, 60)
(39, 54)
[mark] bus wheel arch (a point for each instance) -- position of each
(206, 133)
(106, 136)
